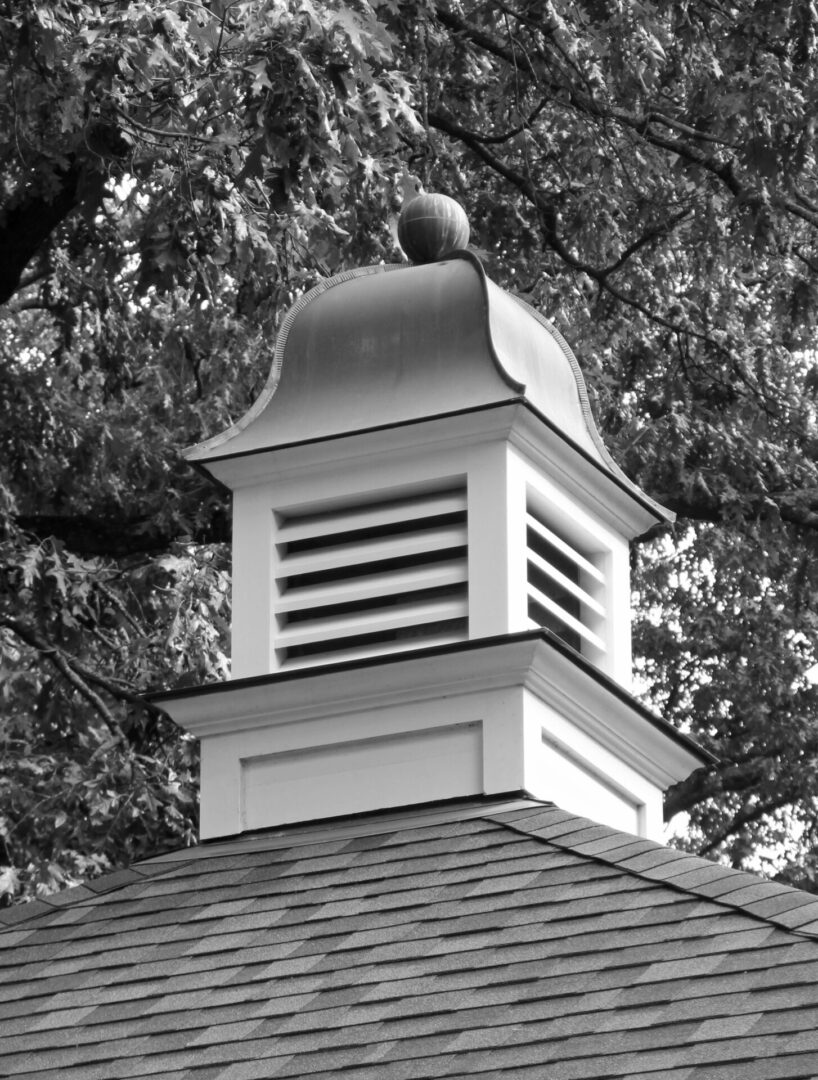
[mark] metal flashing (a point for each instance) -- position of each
(368, 823)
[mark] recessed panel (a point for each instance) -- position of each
(575, 785)
(350, 777)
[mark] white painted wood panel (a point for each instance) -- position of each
(377, 648)
(564, 548)
(371, 515)
(564, 617)
(566, 583)
(372, 551)
(349, 777)
(370, 586)
(371, 621)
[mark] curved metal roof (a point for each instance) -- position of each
(389, 344)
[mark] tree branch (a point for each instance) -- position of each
(450, 127)
(746, 817)
(712, 510)
(489, 140)
(92, 536)
(28, 225)
(700, 785)
(685, 129)
(643, 125)
(162, 133)
(77, 674)
(646, 238)
(67, 667)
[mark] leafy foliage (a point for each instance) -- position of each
(175, 174)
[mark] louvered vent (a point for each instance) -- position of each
(566, 587)
(374, 577)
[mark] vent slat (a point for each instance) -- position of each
(372, 516)
(360, 652)
(374, 586)
(566, 618)
(564, 548)
(377, 621)
(363, 551)
(370, 578)
(566, 583)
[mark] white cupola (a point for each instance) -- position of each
(430, 565)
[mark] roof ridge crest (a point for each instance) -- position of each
(807, 928)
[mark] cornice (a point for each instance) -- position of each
(535, 661)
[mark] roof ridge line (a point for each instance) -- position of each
(689, 890)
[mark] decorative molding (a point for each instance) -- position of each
(519, 690)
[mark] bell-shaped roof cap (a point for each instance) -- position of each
(387, 345)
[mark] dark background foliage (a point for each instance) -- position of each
(175, 174)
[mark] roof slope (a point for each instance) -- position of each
(480, 940)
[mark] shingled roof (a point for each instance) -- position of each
(479, 939)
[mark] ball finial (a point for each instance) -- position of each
(430, 227)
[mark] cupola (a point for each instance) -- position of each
(430, 564)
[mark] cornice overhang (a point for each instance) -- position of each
(621, 503)
(535, 661)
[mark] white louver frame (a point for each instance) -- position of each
(381, 575)
(566, 582)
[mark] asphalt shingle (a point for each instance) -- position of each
(492, 943)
